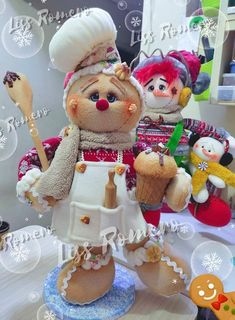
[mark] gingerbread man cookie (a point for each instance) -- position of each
(207, 291)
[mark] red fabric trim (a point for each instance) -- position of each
(112, 156)
(31, 160)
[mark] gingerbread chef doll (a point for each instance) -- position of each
(90, 180)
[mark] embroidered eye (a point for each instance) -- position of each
(111, 97)
(209, 150)
(202, 147)
(201, 293)
(151, 88)
(162, 87)
(94, 97)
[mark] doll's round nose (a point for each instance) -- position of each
(102, 104)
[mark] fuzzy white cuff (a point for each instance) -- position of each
(26, 185)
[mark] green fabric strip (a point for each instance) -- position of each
(174, 140)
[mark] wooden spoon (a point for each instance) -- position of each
(20, 92)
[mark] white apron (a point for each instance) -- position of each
(81, 217)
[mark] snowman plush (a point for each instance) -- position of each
(208, 150)
(208, 159)
(90, 182)
(168, 82)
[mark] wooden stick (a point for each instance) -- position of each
(20, 92)
(110, 201)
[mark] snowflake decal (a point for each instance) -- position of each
(212, 262)
(3, 139)
(23, 37)
(203, 166)
(208, 28)
(136, 21)
(184, 229)
(20, 253)
(122, 5)
(49, 315)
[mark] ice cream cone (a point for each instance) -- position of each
(154, 172)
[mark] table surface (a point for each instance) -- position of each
(21, 294)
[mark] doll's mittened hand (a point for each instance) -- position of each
(51, 201)
(122, 71)
(26, 191)
(202, 196)
(39, 203)
(216, 181)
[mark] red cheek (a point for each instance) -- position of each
(196, 146)
(215, 157)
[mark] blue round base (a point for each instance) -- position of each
(113, 305)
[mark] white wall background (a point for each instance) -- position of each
(48, 90)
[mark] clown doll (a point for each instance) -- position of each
(168, 83)
(91, 177)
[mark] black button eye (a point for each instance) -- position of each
(94, 97)
(202, 147)
(162, 87)
(151, 88)
(209, 150)
(111, 97)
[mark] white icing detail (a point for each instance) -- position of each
(88, 264)
(85, 303)
(176, 269)
(66, 280)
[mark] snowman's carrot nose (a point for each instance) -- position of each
(159, 93)
(102, 104)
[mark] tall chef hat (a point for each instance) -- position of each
(85, 44)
